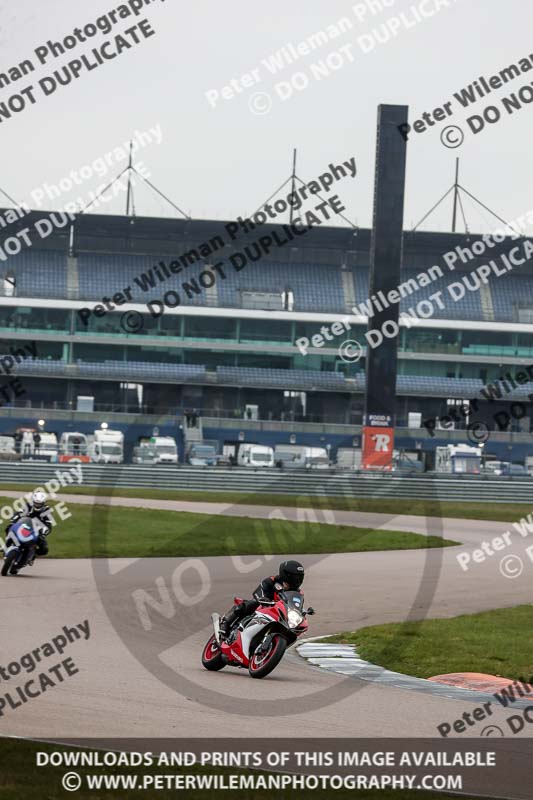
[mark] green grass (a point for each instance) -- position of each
(113, 532)
(20, 778)
(494, 642)
(503, 512)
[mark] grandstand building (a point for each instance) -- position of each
(225, 344)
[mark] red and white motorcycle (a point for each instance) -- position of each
(258, 642)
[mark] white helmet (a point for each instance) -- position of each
(38, 499)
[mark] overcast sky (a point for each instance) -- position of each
(224, 161)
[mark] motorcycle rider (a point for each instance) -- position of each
(290, 577)
(37, 509)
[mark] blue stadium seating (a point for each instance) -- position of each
(100, 275)
(467, 308)
(184, 373)
(289, 379)
(293, 379)
(508, 293)
(467, 388)
(121, 370)
(38, 273)
(315, 287)
(107, 274)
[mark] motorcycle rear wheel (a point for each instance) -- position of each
(212, 658)
(8, 562)
(262, 665)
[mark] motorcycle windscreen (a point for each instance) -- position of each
(294, 600)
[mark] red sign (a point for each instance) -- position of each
(378, 445)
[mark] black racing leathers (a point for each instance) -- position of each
(265, 591)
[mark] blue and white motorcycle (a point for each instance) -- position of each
(20, 545)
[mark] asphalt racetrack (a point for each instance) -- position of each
(114, 695)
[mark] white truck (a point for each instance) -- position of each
(165, 448)
(73, 447)
(458, 459)
(255, 455)
(107, 447)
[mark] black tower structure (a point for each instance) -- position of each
(385, 269)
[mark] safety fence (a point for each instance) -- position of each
(445, 488)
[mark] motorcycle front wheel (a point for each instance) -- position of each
(8, 562)
(212, 658)
(263, 662)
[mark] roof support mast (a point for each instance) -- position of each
(293, 185)
(456, 188)
(455, 196)
(128, 196)
(296, 182)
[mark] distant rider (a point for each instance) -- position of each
(289, 578)
(37, 509)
